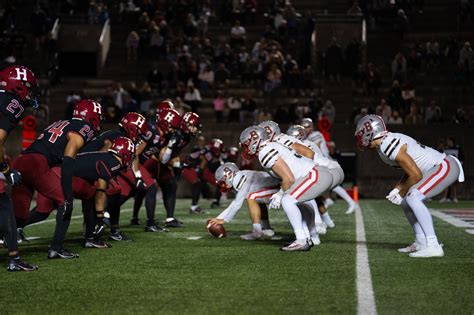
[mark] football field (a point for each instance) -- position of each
(185, 271)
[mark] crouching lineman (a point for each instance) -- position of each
(92, 173)
(256, 188)
(301, 179)
(427, 173)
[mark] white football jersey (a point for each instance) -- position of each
(246, 183)
(319, 157)
(272, 151)
(425, 157)
(318, 138)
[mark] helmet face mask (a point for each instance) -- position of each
(251, 140)
(368, 129)
(225, 175)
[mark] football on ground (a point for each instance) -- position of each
(216, 230)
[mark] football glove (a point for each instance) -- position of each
(394, 196)
(275, 200)
(175, 140)
(13, 177)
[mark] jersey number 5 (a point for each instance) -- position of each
(56, 130)
(15, 108)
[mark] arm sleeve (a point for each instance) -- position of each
(229, 213)
(67, 170)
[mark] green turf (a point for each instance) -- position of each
(167, 273)
(405, 285)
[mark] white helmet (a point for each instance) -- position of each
(225, 175)
(368, 129)
(271, 128)
(307, 122)
(251, 140)
(297, 131)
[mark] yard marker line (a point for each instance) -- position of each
(74, 217)
(450, 219)
(365, 291)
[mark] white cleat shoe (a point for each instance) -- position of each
(412, 248)
(429, 251)
(330, 224)
(328, 202)
(321, 228)
(253, 236)
(296, 246)
(268, 232)
(352, 208)
(315, 240)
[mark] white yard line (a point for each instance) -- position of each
(451, 219)
(365, 291)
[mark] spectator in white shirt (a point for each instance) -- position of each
(192, 97)
(235, 105)
(237, 34)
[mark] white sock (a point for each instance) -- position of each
(307, 212)
(420, 238)
(289, 204)
(194, 207)
(266, 224)
(257, 227)
(341, 192)
(305, 229)
(423, 215)
(326, 217)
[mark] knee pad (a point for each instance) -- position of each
(414, 196)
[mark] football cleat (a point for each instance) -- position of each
(21, 237)
(215, 204)
(63, 254)
(352, 208)
(330, 223)
(296, 246)
(93, 243)
(412, 248)
(197, 210)
(268, 232)
(135, 221)
(174, 224)
(314, 240)
(16, 264)
(253, 236)
(154, 228)
(119, 236)
(428, 251)
(321, 228)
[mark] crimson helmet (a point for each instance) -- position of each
(165, 104)
(232, 154)
(134, 125)
(168, 120)
(90, 111)
(124, 148)
(216, 146)
(190, 120)
(20, 81)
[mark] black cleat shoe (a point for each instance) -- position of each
(16, 264)
(198, 210)
(215, 204)
(119, 236)
(93, 243)
(174, 224)
(154, 228)
(20, 236)
(63, 254)
(135, 221)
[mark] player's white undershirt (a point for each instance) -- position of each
(246, 183)
(424, 157)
